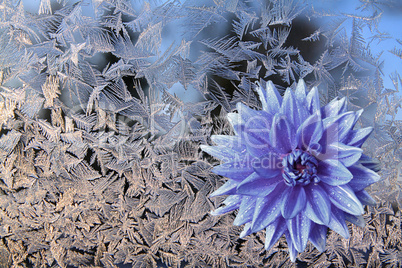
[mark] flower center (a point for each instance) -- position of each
(299, 168)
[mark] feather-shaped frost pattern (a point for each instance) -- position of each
(115, 113)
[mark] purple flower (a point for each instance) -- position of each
(294, 168)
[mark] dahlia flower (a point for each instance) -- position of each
(294, 168)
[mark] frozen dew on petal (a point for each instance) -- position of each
(318, 206)
(294, 168)
(294, 109)
(299, 230)
(310, 132)
(274, 231)
(270, 98)
(293, 201)
(282, 134)
(318, 236)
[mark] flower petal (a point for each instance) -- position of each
(246, 211)
(246, 112)
(232, 142)
(313, 101)
(267, 209)
(309, 132)
(299, 230)
(236, 170)
(253, 129)
(282, 134)
(236, 122)
(300, 92)
(231, 203)
(270, 98)
(337, 128)
(221, 152)
(257, 144)
(365, 198)
(334, 108)
(246, 230)
(333, 172)
(274, 231)
(337, 222)
(295, 112)
(318, 236)
(370, 163)
(291, 247)
(318, 207)
(228, 188)
(343, 197)
(293, 201)
(254, 120)
(257, 185)
(268, 166)
(358, 137)
(362, 177)
(355, 219)
(347, 155)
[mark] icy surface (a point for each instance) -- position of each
(100, 160)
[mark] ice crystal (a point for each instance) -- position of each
(104, 105)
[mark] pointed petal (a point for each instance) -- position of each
(245, 112)
(365, 198)
(257, 185)
(358, 114)
(282, 134)
(355, 219)
(358, 137)
(246, 230)
(231, 203)
(257, 143)
(221, 152)
(259, 127)
(370, 163)
(291, 247)
(299, 230)
(318, 207)
(274, 231)
(343, 197)
(318, 236)
(237, 170)
(232, 142)
(293, 201)
(347, 155)
(337, 128)
(228, 188)
(333, 172)
(300, 92)
(270, 98)
(255, 127)
(362, 177)
(246, 211)
(334, 108)
(313, 101)
(268, 166)
(295, 112)
(309, 132)
(337, 222)
(236, 121)
(267, 209)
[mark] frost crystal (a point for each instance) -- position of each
(104, 105)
